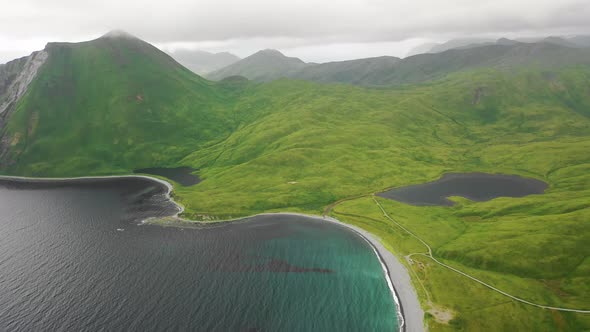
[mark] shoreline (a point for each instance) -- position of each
(405, 296)
(167, 184)
(409, 312)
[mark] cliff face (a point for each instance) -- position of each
(15, 77)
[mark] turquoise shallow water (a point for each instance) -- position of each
(73, 257)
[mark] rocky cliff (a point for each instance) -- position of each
(15, 77)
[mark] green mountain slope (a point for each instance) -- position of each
(320, 144)
(116, 104)
(113, 103)
(361, 71)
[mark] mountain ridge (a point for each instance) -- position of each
(264, 65)
(387, 71)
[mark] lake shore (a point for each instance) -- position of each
(410, 314)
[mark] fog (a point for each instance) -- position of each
(313, 30)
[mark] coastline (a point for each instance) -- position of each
(410, 314)
(397, 276)
(406, 298)
(168, 185)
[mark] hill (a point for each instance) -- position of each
(362, 71)
(117, 104)
(265, 65)
(201, 62)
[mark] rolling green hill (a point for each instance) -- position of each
(116, 104)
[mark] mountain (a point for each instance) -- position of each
(580, 41)
(362, 71)
(201, 62)
(117, 104)
(268, 65)
(459, 43)
(113, 91)
(265, 65)
(425, 67)
(574, 41)
(502, 54)
(452, 44)
(15, 77)
(506, 42)
(421, 49)
(467, 43)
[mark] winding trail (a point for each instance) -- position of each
(429, 255)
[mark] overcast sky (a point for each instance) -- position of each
(315, 30)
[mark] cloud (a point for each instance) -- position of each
(293, 24)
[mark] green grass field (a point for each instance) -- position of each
(105, 108)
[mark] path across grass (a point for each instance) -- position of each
(429, 255)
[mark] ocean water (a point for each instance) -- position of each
(75, 257)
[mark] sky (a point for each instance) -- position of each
(314, 30)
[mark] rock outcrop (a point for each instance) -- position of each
(15, 78)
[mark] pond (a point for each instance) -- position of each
(474, 186)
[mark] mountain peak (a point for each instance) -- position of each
(270, 51)
(273, 55)
(118, 34)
